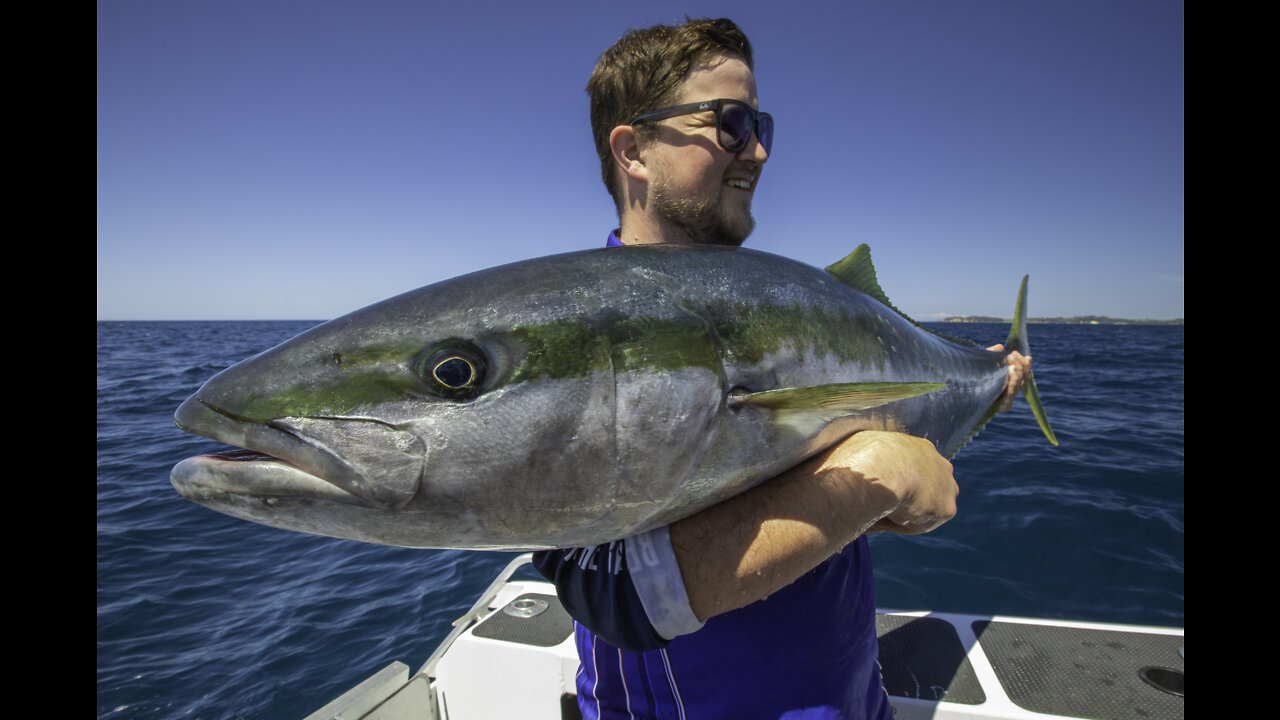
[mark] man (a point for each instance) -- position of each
(762, 606)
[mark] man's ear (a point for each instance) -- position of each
(625, 144)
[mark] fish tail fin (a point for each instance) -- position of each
(1018, 341)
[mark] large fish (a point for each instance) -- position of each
(576, 399)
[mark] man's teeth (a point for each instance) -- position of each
(744, 184)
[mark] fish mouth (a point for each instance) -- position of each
(354, 461)
(249, 473)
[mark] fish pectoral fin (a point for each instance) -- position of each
(806, 410)
(835, 399)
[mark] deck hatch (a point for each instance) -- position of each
(923, 658)
(1082, 672)
(547, 628)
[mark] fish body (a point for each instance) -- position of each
(576, 399)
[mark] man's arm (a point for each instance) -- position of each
(641, 592)
(752, 545)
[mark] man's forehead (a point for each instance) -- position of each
(719, 75)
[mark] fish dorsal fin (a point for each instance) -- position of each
(857, 271)
(807, 408)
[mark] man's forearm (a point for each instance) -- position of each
(750, 546)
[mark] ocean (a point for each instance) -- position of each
(201, 615)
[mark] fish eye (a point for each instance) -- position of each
(456, 369)
(455, 372)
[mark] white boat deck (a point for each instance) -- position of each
(512, 656)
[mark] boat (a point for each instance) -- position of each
(512, 655)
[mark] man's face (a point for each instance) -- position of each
(697, 186)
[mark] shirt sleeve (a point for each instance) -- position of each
(628, 592)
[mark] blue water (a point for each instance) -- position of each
(201, 615)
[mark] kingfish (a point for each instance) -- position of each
(577, 399)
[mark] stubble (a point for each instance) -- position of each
(706, 221)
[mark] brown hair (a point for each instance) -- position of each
(642, 71)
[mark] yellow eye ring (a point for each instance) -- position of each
(455, 369)
(455, 372)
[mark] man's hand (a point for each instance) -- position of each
(922, 486)
(1019, 371)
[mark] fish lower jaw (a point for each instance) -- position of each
(250, 474)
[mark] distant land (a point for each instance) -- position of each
(1078, 320)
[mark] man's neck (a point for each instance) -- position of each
(644, 231)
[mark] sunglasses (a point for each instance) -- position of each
(734, 121)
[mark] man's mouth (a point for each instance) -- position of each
(740, 183)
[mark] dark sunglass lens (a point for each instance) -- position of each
(735, 127)
(764, 130)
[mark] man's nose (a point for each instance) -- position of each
(754, 150)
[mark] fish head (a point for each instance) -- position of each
(507, 409)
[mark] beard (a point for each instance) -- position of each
(705, 221)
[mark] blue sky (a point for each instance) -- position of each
(299, 160)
